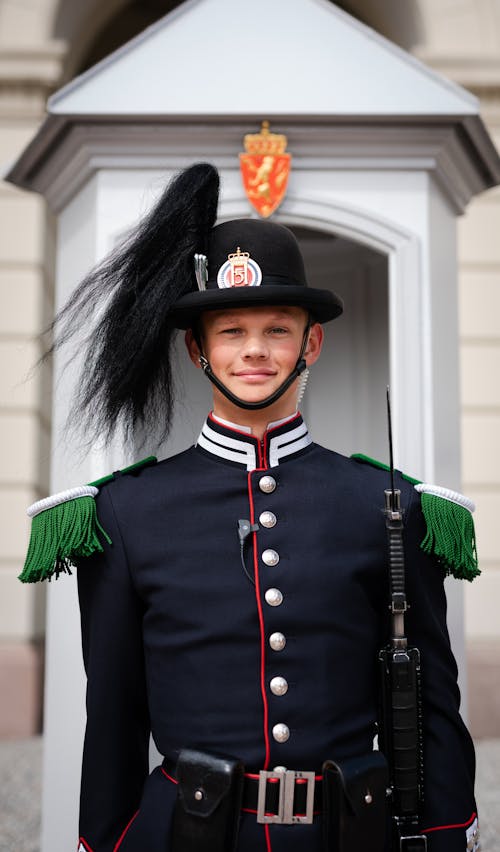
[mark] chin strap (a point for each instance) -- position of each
(269, 400)
(253, 406)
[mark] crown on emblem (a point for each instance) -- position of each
(265, 142)
(239, 267)
(239, 270)
(238, 254)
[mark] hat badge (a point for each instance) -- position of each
(239, 270)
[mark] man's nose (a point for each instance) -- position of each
(255, 347)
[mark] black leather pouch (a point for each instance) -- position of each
(354, 800)
(208, 805)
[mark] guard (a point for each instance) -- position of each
(262, 606)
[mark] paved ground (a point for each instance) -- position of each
(20, 764)
(20, 791)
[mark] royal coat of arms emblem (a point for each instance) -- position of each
(265, 168)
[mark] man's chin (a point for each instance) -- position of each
(253, 392)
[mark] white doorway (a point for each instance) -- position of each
(345, 403)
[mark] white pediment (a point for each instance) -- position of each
(262, 58)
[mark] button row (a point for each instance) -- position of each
(274, 597)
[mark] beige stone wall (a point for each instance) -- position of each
(462, 41)
(479, 247)
(29, 68)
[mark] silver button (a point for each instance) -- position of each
(278, 685)
(267, 484)
(279, 769)
(199, 794)
(281, 732)
(277, 641)
(267, 519)
(273, 597)
(270, 557)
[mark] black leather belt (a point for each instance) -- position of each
(285, 796)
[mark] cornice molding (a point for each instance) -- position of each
(39, 64)
(468, 70)
(457, 154)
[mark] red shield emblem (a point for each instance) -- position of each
(265, 169)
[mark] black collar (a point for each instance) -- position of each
(234, 445)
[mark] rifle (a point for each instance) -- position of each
(400, 723)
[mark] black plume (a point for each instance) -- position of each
(126, 380)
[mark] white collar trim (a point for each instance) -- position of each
(248, 429)
(291, 442)
(245, 452)
(228, 448)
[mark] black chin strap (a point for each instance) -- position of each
(272, 398)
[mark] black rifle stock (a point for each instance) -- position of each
(400, 724)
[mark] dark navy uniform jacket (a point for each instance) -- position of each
(178, 641)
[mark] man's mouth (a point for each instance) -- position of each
(255, 374)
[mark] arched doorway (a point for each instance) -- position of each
(345, 402)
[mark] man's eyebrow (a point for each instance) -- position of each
(271, 315)
(222, 318)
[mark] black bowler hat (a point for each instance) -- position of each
(252, 262)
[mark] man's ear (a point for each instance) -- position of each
(314, 344)
(192, 347)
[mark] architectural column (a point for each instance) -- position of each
(28, 73)
(463, 43)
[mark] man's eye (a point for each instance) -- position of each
(279, 330)
(230, 330)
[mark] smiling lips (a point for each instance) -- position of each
(255, 375)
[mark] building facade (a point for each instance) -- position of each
(45, 43)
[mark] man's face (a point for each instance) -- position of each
(253, 350)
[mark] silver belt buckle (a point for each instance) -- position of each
(417, 841)
(287, 780)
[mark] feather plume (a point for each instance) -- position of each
(126, 381)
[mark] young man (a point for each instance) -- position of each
(253, 351)
(237, 598)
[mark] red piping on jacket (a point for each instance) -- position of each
(262, 449)
(173, 780)
(262, 632)
(122, 835)
(456, 825)
(246, 435)
(261, 624)
(263, 445)
(268, 838)
(82, 840)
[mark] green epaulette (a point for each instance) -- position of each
(450, 532)
(65, 527)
